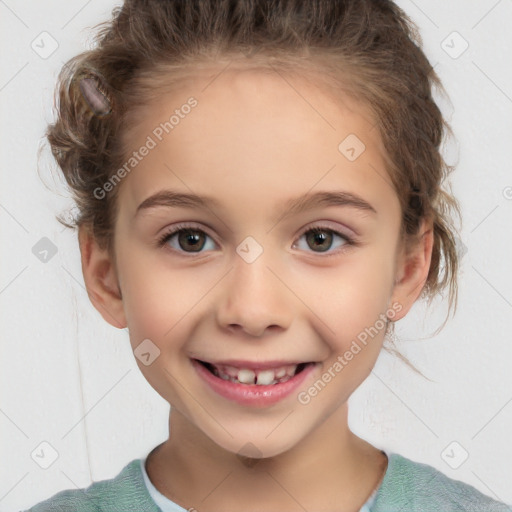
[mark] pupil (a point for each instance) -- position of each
(321, 237)
(189, 236)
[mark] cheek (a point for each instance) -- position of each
(351, 303)
(352, 293)
(157, 297)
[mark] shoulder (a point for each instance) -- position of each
(418, 487)
(123, 493)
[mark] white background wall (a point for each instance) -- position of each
(69, 379)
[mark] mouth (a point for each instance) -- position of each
(252, 384)
(261, 376)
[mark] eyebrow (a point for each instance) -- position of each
(328, 198)
(172, 199)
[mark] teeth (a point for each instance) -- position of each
(231, 371)
(258, 377)
(281, 372)
(264, 378)
(246, 376)
(290, 370)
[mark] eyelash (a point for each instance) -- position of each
(349, 241)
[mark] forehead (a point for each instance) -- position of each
(256, 134)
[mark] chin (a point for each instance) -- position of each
(255, 446)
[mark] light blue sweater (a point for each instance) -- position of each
(407, 486)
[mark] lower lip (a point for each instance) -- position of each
(252, 394)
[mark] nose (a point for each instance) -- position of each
(254, 299)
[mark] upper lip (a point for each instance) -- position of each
(253, 365)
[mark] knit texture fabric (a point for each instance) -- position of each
(407, 486)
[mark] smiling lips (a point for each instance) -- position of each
(253, 384)
(261, 377)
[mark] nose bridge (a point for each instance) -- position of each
(252, 297)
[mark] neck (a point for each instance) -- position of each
(330, 468)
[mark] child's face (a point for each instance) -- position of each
(253, 142)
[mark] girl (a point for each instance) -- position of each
(259, 194)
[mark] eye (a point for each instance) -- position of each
(190, 239)
(186, 237)
(321, 237)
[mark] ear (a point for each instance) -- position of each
(412, 270)
(100, 278)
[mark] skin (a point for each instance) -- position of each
(253, 143)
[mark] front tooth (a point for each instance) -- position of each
(290, 369)
(246, 376)
(265, 377)
(231, 371)
(280, 373)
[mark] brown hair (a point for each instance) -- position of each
(368, 48)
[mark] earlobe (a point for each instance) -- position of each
(101, 281)
(412, 271)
